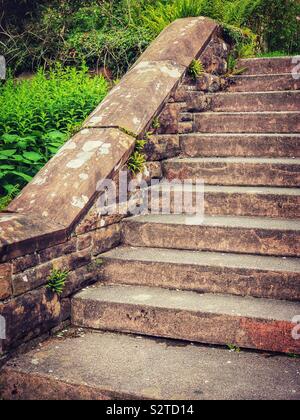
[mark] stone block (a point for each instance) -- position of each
(5, 281)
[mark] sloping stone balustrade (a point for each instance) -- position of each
(51, 224)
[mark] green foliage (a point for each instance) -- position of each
(139, 145)
(233, 348)
(244, 40)
(232, 64)
(97, 263)
(273, 54)
(196, 69)
(293, 356)
(136, 162)
(274, 22)
(156, 123)
(5, 200)
(112, 33)
(105, 33)
(115, 50)
(57, 281)
(37, 116)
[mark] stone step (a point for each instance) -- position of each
(235, 171)
(250, 201)
(244, 122)
(244, 145)
(243, 235)
(205, 318)
(219, 200)
(260, 66)
(255, 101)
(264, 83)
(204, 272)
(111, 366)
(225, 201)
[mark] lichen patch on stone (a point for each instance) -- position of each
(39, 180)
(105, 149)
(80, 160)
(172, 72)
(79, 202)
(89, 146)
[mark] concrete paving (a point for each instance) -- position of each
(114, 366)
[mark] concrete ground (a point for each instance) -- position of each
(92, 365)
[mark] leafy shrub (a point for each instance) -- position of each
(5, 200)
(115, 50)
(277, 24)
(37, 116)
(105, 33)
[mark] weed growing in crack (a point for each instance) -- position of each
(233, 348)
(195, 69)
(156, 123)
(137, 160)
(232, 67)
(57, 281)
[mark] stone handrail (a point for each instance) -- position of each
(55, 223)
(49, 207)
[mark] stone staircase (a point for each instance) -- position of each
(233, 280)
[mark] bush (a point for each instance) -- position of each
(105, 33)
(275, 22)
(116, 50)
(112, 33)
(37, 116)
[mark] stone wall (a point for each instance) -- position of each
(55, 223)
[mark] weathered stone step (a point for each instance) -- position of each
(244, 145)
(226, 201)
(244, 235)
(204, 272)
(264, 83)
(189, 372)
(246, 122)
(251, 201)
(267, 65)
(255, 101)
(236, 171)
(208, 318)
